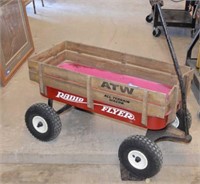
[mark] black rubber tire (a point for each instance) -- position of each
(189, 120)
(149, 18)
(156, 32)
(51, 118)
(149, 149)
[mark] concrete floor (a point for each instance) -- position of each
(86, 149)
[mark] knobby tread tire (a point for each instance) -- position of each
(189, 119)
(50, 116)
(148, 148)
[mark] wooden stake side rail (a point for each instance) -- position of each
(43, 68)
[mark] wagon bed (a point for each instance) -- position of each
(133, 89)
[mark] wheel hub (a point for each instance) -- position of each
(137, 159)
(40, 124)
(176, 122)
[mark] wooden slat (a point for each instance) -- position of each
(65, 75)
(145, 108)
(55, 50)
(94, 51)
(173, 105)
(188, 76)
(55, 60)
(90, 103)
(65, 86)
(175, 101)
(34, 76)
(153, 64)
(41, 79)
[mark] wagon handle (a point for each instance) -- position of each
(178, 71)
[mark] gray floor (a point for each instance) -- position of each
(86, 149)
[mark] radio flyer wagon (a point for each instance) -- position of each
(117, 85)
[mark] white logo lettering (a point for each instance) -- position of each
(69, 97)
(118, 112)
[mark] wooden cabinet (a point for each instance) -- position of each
(16, 40)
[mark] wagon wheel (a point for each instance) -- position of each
(177, 123)
(140, 156)
(43, 122)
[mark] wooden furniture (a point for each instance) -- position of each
(16, 40)
(26, 2)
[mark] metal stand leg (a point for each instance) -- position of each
(42, 3)
(194, 41)
(34, 6)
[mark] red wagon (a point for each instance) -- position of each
(113, 84)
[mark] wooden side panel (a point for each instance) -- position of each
(188, 76)
(128, 103)
(55, 60)
(94, 51)
(54, 51)
(114, 66)
(52, 61)
(130, 91)
(153, 64)
(65, 86)
(33, 76)
(65, 75)
(123, 57)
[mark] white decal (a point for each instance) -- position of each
(69, 97)
(118, 112)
